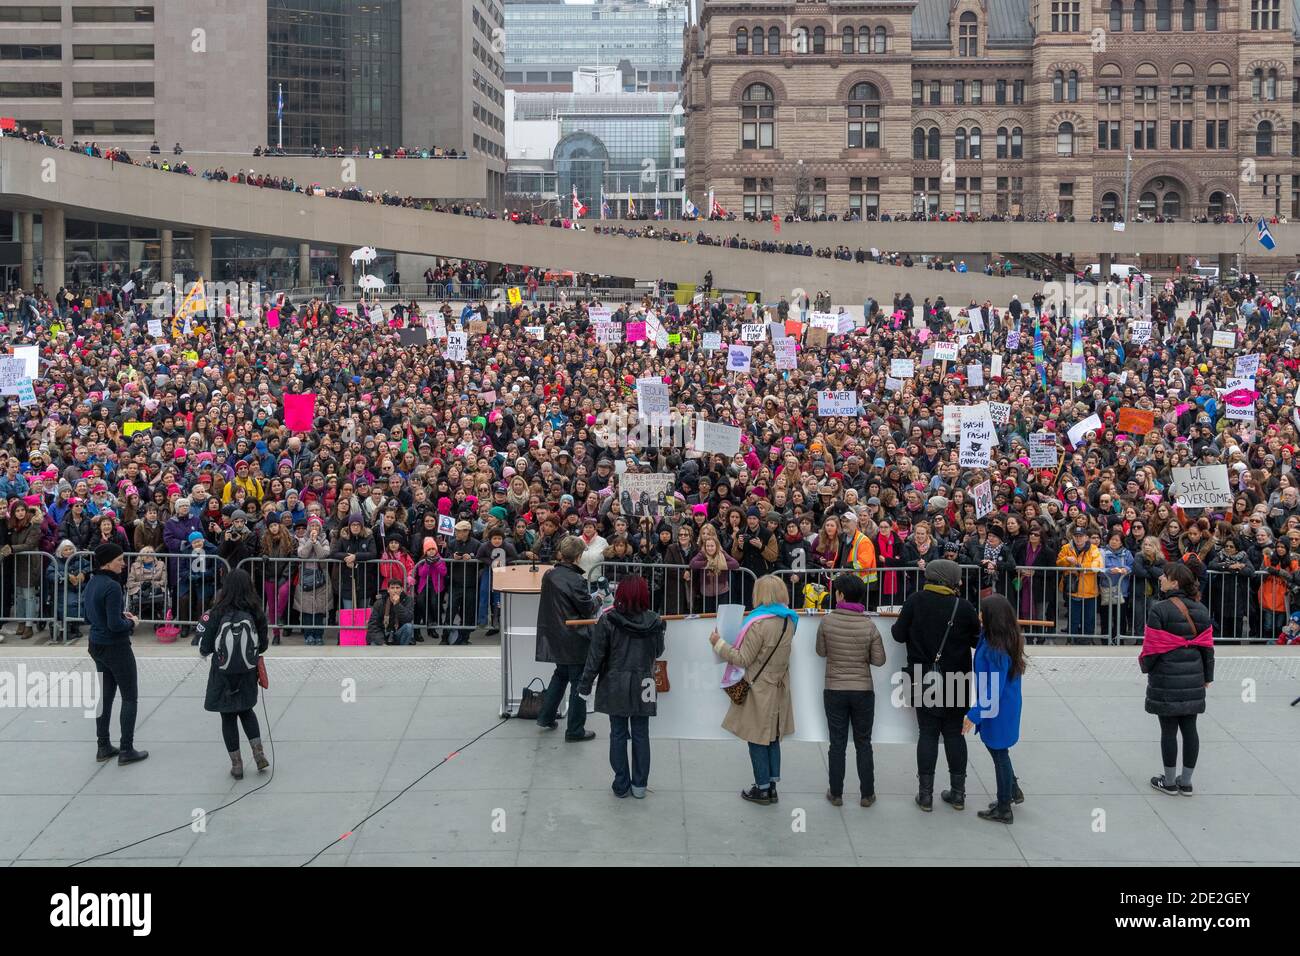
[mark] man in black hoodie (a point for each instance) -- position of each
(110, 648)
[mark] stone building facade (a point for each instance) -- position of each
(984, 106)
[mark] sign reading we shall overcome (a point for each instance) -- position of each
(1205, 486)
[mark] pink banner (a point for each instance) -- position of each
(299, 410)
(636, 331)
(273, 318)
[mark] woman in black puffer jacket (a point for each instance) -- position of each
(1178, 659)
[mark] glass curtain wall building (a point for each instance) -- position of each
(340, 65)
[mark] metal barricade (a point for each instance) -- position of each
(28, 592)
(679, 589)
(449, 597)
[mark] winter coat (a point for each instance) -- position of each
(564, 597)
(922, 624)
(103, 603)
(1146, 584)
(67, 594)
(767, 714)
(623, 652)
(29, 566)
(399, 615)
(199, 575)
(678, 584)
(1228, 594)
(139, 578)
(145, 535)
(759, 552)
(996, 710)
(313, 555)
(851, 645)
(1176, 679)
(715, 584)
(229, 693)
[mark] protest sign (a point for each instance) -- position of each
(1135, 421)
(1224, 339)
(1247, 366)
(817, 338)
(945, 351)
(983, 493)
(600, 313)
(893, 384)
(642, 494)
(1000, 412)
(996, 362)
(711, 341)
(1205, 486)
(837, 404)
(752, 333)
(299, 411)
(975, 375)
(978, 437)
(1071, 373)
(738, 358)
(1013, 340)
(26, 393)
(130, 428)
(12, 371)
(845, 323)
(787, 356)
(635, 332)
(1042, 450)
(478, 327)
(1090, 424)
(652, 398)
(824, 320)
(1140, 333)
(537, 332)
(155, 328)
(609, 333)
(951, 421)
(457, 347)
(902, 368)
(713, 437)
(513, 296)
(446, 525)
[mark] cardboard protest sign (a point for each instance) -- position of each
(1205, 486)
(1136, 421)
(1224, 339)
(1042, 450)
(978, 436)
(902, 368)
(817, 338)
(478, 327)
(1078, 432)
(837, 404)
(738, 358)
(299, 411)
(714, 437)
(983, 494)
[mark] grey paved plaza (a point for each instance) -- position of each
(520, 797)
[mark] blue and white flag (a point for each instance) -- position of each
(1265, 237)
(688, 208)
(279, 102)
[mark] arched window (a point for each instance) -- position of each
(742, 41)
(1002, 142)
(880, 41)
(918, 143)
(1058, 86)
(1189, 15)
(1270, 85)
(1164, 15)
(1215, 206)
(1211, 14)
(758, 117)
(1116, 16)
(1264, 139)
(759, 37)
(932, 143)
(975, 138)
(1147, 204)
(1065, 139)
(968, 35)
(1072, 87)
(1171, 204)
(846, 44)
(1257, 84)
(1295, 139)
(864, 39)
(1109, 205)
(819, 40)
(1139, 15)
(864, 117)
(959, 143)
(773, 41)
(1017, 143)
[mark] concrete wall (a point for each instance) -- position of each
(426, 178)
(95, 189)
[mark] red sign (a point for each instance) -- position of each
(8, 123)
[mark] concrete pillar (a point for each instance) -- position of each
(203, 252)
(347, 271)
(167, 257)
(1226, 262)
(304, 265)
(26, 237)
(1105, 261)
(53, 244)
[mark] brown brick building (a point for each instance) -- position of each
(994, 106)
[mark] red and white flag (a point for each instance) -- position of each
(579, 210)
(717, 210)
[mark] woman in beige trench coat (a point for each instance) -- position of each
(767, 714)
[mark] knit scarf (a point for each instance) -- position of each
(732, 674)
(941, 589)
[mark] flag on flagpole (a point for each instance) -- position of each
(279, 103)
(604, 205)
(659, 213)
(776, 224)
(1038, 350)
(717, 210)
(688, 207)
(579, 210)
(1265, 237)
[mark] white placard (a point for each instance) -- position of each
(609, 333)
(1076, 433)
(536, 332)
(738, 358)
(1205, 486)
(600, 313)
(978, 436)
(446, 525)
(996, 363)
(983, 494)
(945, 351)
(155, 328)
(12, 371)
(1224, 339)
(824, 320)
(975, 375)
(845, 325)
(893, 384)
(977, 321)
(1240, 413)
(1042, 450)
(1071, 373)
(927, 358)
(26, 393)
(787, 353)
(653, 399)
(713, 437)
(30, 354)
(1247, 367)
(439, 325)
(837, 404)
(1140, 333)
(902, 368)
(712, 341)
(1000, 412)
(646, 494)
(951, 421)
(752, 333)
(457, 347)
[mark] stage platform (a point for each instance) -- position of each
(352, 727)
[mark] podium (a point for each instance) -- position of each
(520, 587)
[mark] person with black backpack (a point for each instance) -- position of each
(234, 632)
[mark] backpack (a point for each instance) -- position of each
(236, 644)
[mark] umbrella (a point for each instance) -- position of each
(371, 282)
(366, 254)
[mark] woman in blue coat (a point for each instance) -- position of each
(999, 664)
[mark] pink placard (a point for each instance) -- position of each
(299, 410)
(273, 318)
(352, 626)
(636, 331)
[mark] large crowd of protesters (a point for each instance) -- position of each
(424, 467)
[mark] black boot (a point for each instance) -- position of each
(956, 797)
(755, 795)
(131, 755)
(771, 793)
(1017, 795)
(925, 795)
(997, 814)
(106, 752)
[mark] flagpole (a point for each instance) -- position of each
(279, 117)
